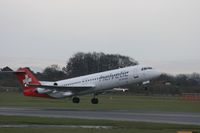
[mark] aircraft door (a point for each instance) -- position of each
(136, 75)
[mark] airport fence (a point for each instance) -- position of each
(191, 96)
(10, 89)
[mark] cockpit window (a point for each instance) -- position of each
(146, 68)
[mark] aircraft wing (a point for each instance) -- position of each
(73, 89)
(112, 90)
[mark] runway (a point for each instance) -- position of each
(121, 115)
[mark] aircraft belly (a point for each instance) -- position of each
(107, 85)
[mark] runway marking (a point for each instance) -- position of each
(55, 126)
(120, 115)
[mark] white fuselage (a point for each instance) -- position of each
(106, 80)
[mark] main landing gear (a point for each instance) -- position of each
(94, 100)
(76, 100)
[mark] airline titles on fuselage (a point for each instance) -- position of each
(120, 75)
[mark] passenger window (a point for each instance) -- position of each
(146, 68)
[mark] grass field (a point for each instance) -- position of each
(123, 102)
(117, 126)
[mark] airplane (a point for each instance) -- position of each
(95, 84)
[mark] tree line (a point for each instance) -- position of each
(170, 85)
(87, 63)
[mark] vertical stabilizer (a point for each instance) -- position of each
(26, 77)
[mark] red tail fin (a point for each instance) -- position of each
(26, 77)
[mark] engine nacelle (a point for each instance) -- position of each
(43, 91)
(121, 89)
(146, 82)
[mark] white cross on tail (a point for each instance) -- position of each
(27, 80)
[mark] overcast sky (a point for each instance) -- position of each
(160, 33)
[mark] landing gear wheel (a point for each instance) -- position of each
(94, 101)
(76, 100)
